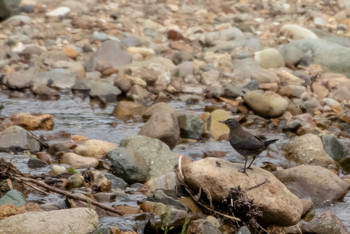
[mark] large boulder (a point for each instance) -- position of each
(16, 138)
(109, 53)
(29, 122)
(307, 149)
(267, 104)
(140, 158)
(218, 176)
(77, 220)
(315, 182)
(163, 125)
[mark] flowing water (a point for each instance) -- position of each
(78, 116)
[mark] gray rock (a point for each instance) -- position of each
(320, 51)
(307, 149)
(18, 137)
(18, 19)
(57, 78)
(76, 220)
(117, 182)
(19, 80)
(315, 182)
(159, 107)
(191, 126)
(185, 68)
(292, 90)
(232, 91)
(326, 222)
(45, 93)
(109, 53)
(334, 148)
(202, 226)
(141, 158)
(13, 197)
(104, 90)
(36, 163)
(229, 34)
(8, 8)
(210, 77)
(82, 85)
(31, 51)
(138, 93)
(182, 56)
(14, 39)
(76, 181)
(131, 41)
(267, 104)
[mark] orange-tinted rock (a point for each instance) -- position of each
(70, 52)
(29, 122)
(8, 210)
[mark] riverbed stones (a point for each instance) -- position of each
(19, 80)
(163, 126)
(77, 220)
(13, 197)
(104, 91)
(95, 148)
(307, 149)
(140, 158)
(315, 182)
(77, 161)
(15, 138)
(269, 58)
(109, 53)
(278, 204)
(29, 122)
(127, 110)
(191, 126)
(267, 104)
(76, 181)
(325, 222)
(218, 129)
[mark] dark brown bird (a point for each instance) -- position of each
(245, 143)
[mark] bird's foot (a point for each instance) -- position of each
(249, 168)
(242, 170)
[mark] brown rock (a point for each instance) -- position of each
(215, 154)
(8, 210)
(218, 176)
(70, 52)
(123, 84)
(125, 110)
(29, 122)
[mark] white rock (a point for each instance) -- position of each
(60, 11)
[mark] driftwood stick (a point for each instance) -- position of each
(68, 194)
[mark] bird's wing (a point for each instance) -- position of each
(250, 143)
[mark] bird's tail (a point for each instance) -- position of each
(269, 142)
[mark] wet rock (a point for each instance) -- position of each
(297, 32)
(267, 104)
(98, 179)
(77, 220)
(95, 148)
(126, 110)
(117, 183)
(76, 181)
(269, 58)
(77, 161)
(29, 122)
(109, 54)
(58, 12)
(307, 149)
(13, 197)
(18, 80)
(43, 92)
(141, 158)
(326, 222)
(282, 208)
(163, 126)
(104, 91)
(105, 197)
(17, 137)
(57, 170)
(56, 78)
(36, 163)
(218, 129)
(8, 8)
(8, 210)
(165, 182)
(316, 182)
(191, 126)
(334, 148)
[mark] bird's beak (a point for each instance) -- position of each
(222, 122)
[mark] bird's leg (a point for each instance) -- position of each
(245, 166)
(251, 163)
